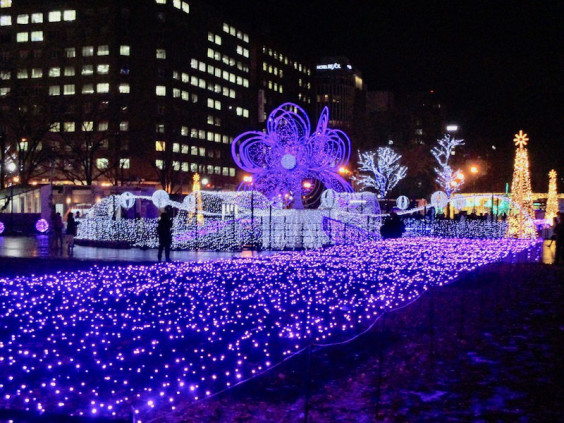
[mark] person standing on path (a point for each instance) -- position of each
(71, 232)
(164, 230)
(558, 235)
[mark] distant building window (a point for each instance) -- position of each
(4, 91)
(5, 75)
(159, 164)
(54, 72)
(36, 36)
(103, 69)
(160, 146)
(69, 15)
(54, 90)
(22, 19)
(88, 51)
(55, 16)
(36, 73)
(88, 89)
(103, 50)
(69, 127)
(160, 90)
(103, 87)
(124, 50)
(103, 125)
(68, 89)
(160, 128)
(160, 1)
(22, 74)
(87, 70)
(124, 126)
(161, 53)
(102, 163)
(124, 163)
(70, 52)
(69, 71)
(5, 20)
(37, 18)
(5, 3)
(87, 126)
(124, 88)
(22, 37)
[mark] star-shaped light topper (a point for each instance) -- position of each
(552, 174)
(521, 139)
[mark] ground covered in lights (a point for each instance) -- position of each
(153, 339)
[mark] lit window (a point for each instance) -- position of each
(160, 128)
(70, 52)
(103, 50)
(88, 51)
(103, 87)
(103, 125)
(5, 3)
(69, 127)
(124, 126)
(161, 53)
(87, 70)
(124, 88)
(160, 145)
(175, 92)
(124, 163)
(5, 20)
(5, 75)
(103, 69)
(54, 72)
(124, 50)
(4, 91)
(193, 167)
(160, 90)
(176, 3)
(55, 16)
(176, 147)
(160, 1)
(36, 73)
(68, 89)
(69, 71)
(185, 95)
(69, 15)
(55, 127)
(22, 74)
(54, 90)
(185, 7)
(232, 171)
(22, 37)
(102, 163)
(37, 36)
(87, 126)
(22, 19)
(88, 89)
(37, 18)
(202, 151)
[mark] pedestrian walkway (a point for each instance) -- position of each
(38, 246)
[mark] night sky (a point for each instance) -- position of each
(497, 65)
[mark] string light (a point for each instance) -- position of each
(109, 340)
(449, 180)
(384, 168)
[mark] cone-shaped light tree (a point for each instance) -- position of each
(552, 200)
(521, 213)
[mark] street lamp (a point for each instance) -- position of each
(474, 171)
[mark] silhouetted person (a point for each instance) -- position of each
(164, 230)
(558, 236)
(393, 227)
(71, 232)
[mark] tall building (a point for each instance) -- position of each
(133, 91)
(340, 87)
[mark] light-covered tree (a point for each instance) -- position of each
(384, 170)
(448, 179)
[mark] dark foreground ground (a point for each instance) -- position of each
(489, 348)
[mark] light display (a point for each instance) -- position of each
(520, 218)
(111, 340)
(2, 228)
(161, 199)
(439, 200)
(449, 180)
(469, 229)
(384, 170)
(552, 200)
(288, 154)
(402, 202)
(197, 195)
(42, 226)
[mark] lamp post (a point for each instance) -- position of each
(474, 171)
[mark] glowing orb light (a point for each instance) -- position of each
(42, 226)
(160, 199)
(2, 228)
(127, 200)
(402, 202)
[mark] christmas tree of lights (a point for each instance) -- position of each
(552, 200)
(521, 213)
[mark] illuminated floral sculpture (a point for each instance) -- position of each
(290, 161)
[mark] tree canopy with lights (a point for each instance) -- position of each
(384, 170)
(448, 179)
